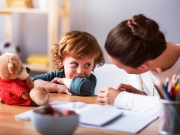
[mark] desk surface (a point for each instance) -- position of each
(9, 125)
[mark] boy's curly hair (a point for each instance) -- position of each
(77, 44)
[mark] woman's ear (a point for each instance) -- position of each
(144, 67)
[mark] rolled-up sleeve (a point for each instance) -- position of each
(139, 103)
(83, 86)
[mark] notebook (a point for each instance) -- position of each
(98, 115)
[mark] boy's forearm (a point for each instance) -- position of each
(51, 87)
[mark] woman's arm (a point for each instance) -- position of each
(139, 103)
(130, 88)
(126, 100)
(108, 95)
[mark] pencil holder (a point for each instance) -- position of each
(169, 122)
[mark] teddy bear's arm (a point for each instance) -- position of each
(30, 82)
(25, 95)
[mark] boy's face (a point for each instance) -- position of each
(78, 68)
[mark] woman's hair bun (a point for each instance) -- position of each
(143, 27)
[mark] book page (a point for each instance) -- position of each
(98, 115)
(129, 122)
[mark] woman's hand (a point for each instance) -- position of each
(131, 89)
(107, 95)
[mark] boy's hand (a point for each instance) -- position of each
(63, 85)
(63, 81)
(57, 80)
(63, 89)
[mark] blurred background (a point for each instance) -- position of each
(97, 17)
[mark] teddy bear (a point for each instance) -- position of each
(16, 86)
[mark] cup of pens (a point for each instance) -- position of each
(169, 122)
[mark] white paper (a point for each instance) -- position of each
(27, 115)
(98, 115)
(102, 117)
(129, 122)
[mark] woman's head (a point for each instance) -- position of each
(135, 41)
(78, 45)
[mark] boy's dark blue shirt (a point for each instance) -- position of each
(79, 86)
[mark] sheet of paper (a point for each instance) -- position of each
(129, 122)
(98, 115)
(27, 115)
(103, 117)
(76, 106)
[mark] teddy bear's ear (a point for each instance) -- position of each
(10, 68)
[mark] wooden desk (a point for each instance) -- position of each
(10, 126)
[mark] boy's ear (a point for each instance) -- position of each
(60, 64)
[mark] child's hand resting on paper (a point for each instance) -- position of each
(108, 95)
(64, 85)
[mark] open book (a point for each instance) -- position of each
(92, 114)
(102, 117)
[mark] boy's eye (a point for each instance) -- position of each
(74, 64)
(87, 65)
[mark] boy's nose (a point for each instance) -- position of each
(80, 71)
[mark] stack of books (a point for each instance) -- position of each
(37, 59)
(19, 3)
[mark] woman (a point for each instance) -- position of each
(139, 47)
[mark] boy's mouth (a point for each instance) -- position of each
(78, 76)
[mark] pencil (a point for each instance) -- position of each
(166, 83)
(161, 94)
(164, 90)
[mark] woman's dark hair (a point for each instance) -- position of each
(135, 41)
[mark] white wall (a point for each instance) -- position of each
(96, 17)
(110, 75)
(100, 16)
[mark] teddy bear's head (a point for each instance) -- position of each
(11, 66)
